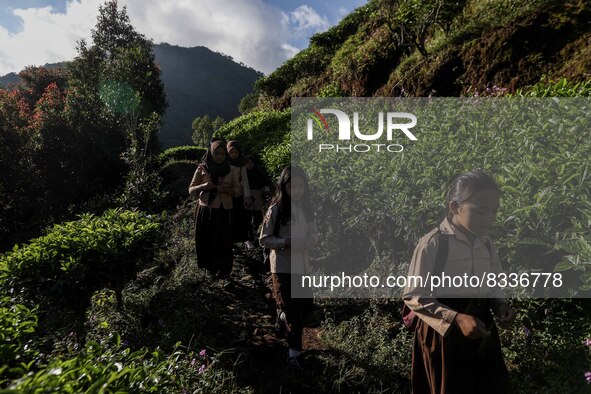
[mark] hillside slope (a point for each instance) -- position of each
(405, 48)
(198, 81)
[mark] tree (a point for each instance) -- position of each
(204, 127)
(64, 132)
(17, 193)
(119, 70)
(116, 88)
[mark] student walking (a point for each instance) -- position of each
(456, 344)
(214, 183)
(243, 198)
(259, 183)
(289, 232)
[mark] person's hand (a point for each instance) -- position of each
(471, 326)
(505, 316)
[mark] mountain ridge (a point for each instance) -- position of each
(197, 82)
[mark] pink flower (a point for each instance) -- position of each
(202, 369)
(587, 342)
(588, 377)
(203, 353)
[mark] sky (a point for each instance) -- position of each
(259, 33)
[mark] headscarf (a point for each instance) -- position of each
(216, 171)
(233, 144)
(211, 141)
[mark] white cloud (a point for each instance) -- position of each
(251, 31)
(46, 37)
(306, 19)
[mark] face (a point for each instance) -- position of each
(296, 188)
(234, 153)
(478, 213)
(249, 165)
(219, 155)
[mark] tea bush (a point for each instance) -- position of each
(257, 130)
(75, 258)
(540, 163)
(276, 157)
(176, 176)
(17, 324)
(189, 152)
(561, 88)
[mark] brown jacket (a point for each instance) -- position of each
(463, 258)
(221, 199)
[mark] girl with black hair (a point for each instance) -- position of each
(258, 182)
(456, 344)
(288, 231)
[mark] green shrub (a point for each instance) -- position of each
(76, 257)
(308, 62)
(257, 130)
(313, 60)
(17, 323)
(368, 353)
(189, 152)
(336, 35)
(177, 175)
(561, 88)
(101, 368)
(540, 164)
(276, 157)
(545, 350)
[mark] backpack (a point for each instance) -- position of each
(267, 251)
(409, 318)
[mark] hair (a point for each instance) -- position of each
(282, 199)
(466, 185)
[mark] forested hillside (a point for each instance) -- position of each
(197, 82)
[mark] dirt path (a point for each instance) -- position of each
(261, 356)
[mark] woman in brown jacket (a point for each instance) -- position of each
(214, 183)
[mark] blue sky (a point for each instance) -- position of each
(259, 33)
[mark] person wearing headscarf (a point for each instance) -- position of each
(214, 184)
(242, 200)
